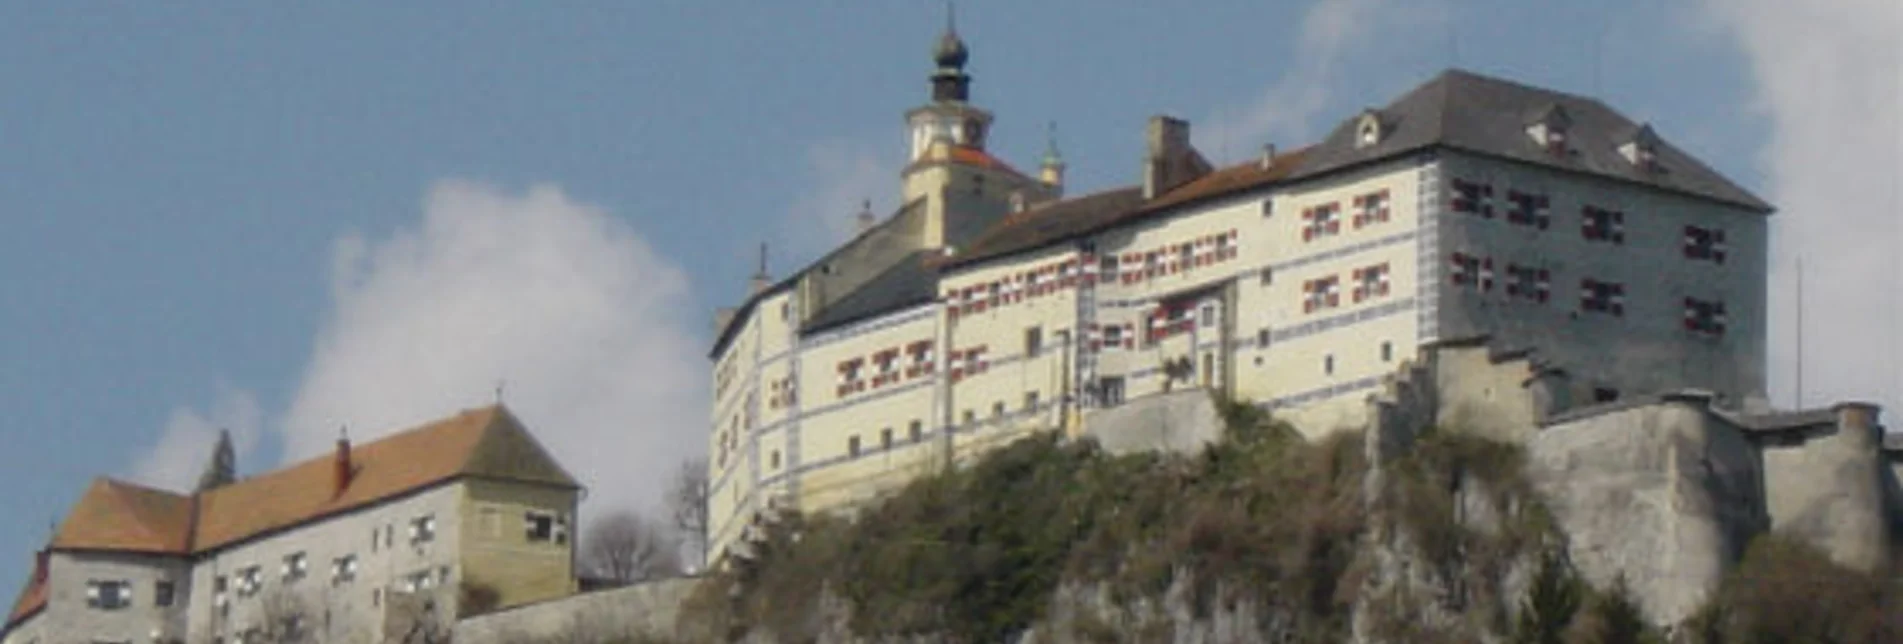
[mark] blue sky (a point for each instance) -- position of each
(284, 220)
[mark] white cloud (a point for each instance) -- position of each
(185, 446)
(841, 174)
(584, 323)
(1829, 77)
(1331, 31)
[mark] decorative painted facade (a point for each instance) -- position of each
(1298, 281)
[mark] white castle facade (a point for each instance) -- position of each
(991, 305)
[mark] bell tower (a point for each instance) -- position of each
(949, 117)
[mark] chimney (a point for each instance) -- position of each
(760, 278)
(866, 219)
(1268, 155)
(340, 470)
(41, 560)
(1169, 160)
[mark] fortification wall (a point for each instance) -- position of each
(1180, 422)
(620, 614)
(1661, 492)
(1828, 487)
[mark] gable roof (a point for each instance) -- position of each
(1484, 115)
(30, 601)
(911, 281)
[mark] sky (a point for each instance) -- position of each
(291, 221)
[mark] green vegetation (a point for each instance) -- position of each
(1785, 591)
(982, 552)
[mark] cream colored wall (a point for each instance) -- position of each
(496, 551)
(835, 411)
(1291, 372)
(1004, 374)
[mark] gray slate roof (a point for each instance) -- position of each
(1483, 115)
(907, 283)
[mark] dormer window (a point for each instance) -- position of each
(1368, 130)
(1641, 149)
(1548, 129)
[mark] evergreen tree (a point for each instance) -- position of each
(223, 468)
(1555, 597)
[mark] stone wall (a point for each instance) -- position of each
(642, 610)
(1181, 422)
(1827, 486)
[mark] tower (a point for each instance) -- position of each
(949, 117)
(1050, 169)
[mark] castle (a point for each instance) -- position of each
(992, 304)
(374, 542)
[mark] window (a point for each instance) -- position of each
(418, 581)
(885, 438)
(1262, 338)
(785, 311)
(1527, 209)
(1371, 208)
(1030, 402)
(1110, 391)
(849, 374)
(1471, 270)
(997, 409)
(373, 539)
(250, 580)
(163, 593)
(423, 529)
(219, 585)
(1113, 335)
(1528, 282)
(1266, 276)
(541, 526)
(1186, 256)
(389, 535)
(108, 595)
(1268, 207)
(1602, 297)
(917, 431)
(1208, 315)
(1319, 294)
(295, 567)
(1107, 268)
(1387, 351)
(343, 569)
(1602, 225)
(1328, 365)
(921, 358)
(971, 417)
(1471, 197)
(1321, 221)
(291, 628)
(888, 364)
(1705, 243)
(852, 446)
(1604, 394)
(1371, 282)
(1705, 316)
(1033, 341)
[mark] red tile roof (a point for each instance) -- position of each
(119, 516)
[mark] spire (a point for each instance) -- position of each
(950, 82)
(760, 278)
(1051, 170)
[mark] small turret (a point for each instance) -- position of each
(761, 280)
(1051, 169)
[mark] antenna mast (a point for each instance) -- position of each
(1799, 394)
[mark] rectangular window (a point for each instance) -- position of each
(1602, 297)
(1602, 225)
(917, 431)
(887, 363)
(250, 580)
(1527, 209)
(1387, 351)
(295, 567)
(1268, 207)
(163, 593)
(343, 570)
(1321, 221)
(108, 595)
(971, 417)
(1528, 282)
(1705, 316)
(852, 446)
(540, 526)
(1110, 391)
(1107, 268)
(773, 461)
(921, 353)
(1262, 338)
(1266, 276)
(1471, 270)
(1371, 208)
(1033, 341)
(1604, 394)
(1208, 315)
(1705, 244)
(1471, 197)
(997, 409)
(423, 529)
(1113, 335)
(1371, 282)
(1320, 294)
(885, 438)
(1328, 365)
(1030, 402)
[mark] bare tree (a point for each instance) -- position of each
(625, 548)
(688, 500)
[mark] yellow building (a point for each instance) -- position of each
(464, 514)
(989, 305)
